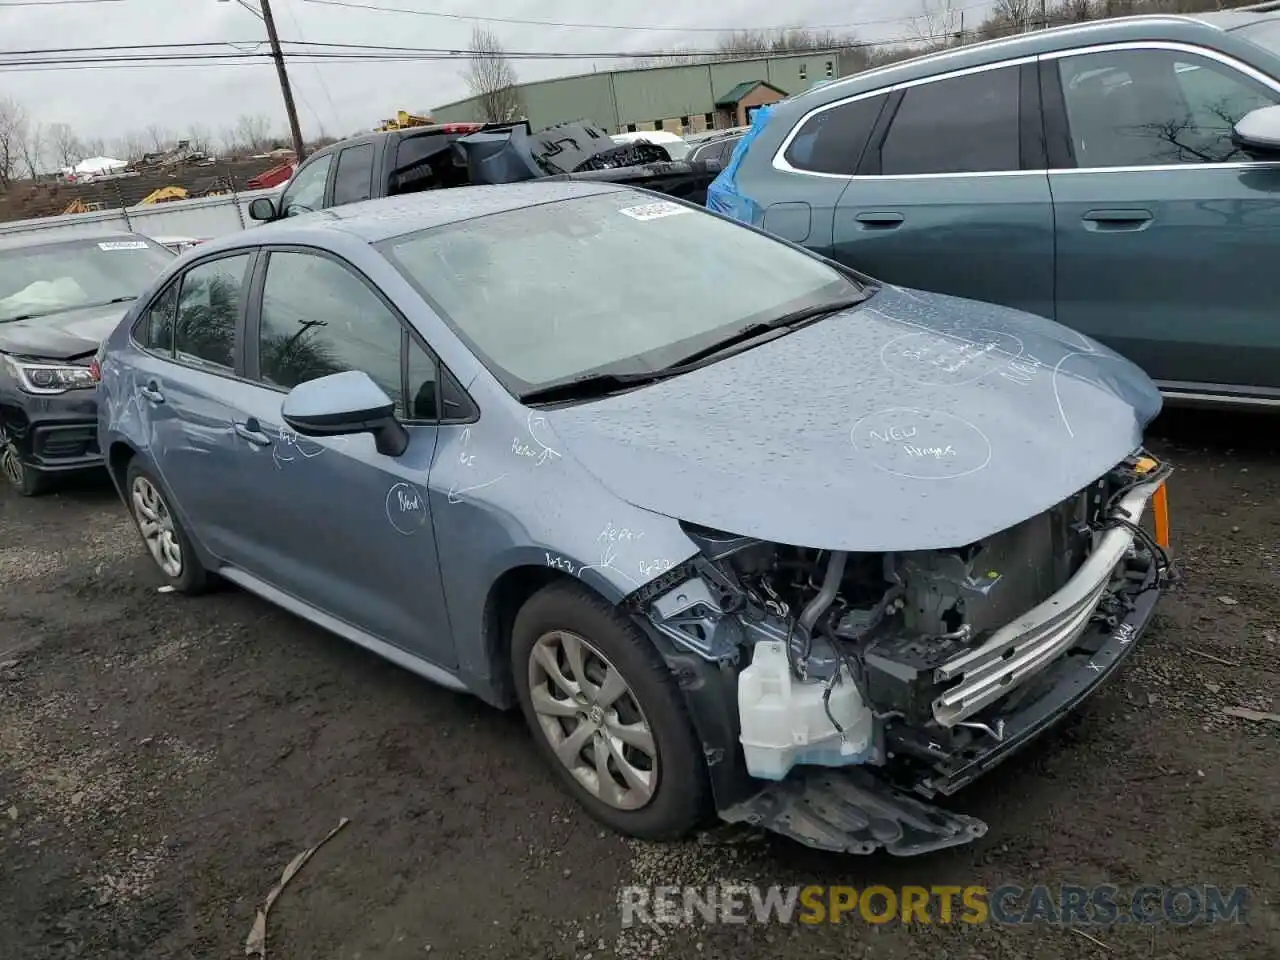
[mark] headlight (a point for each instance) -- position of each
(49, 378)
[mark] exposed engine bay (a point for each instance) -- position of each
(912, 664)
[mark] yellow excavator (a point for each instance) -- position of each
(79, 206)
(403, 120)
(163, 195)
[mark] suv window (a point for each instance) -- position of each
(208, 311)
(306, 193)
(965, 124)
(354, 177)
(154, 330)
(1139, 108)
(320, 318)
(833, 140)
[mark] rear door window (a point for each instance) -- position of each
(832, 141)
(209, 306)
(964, 124)
(353, 180)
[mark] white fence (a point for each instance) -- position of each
(203, 218)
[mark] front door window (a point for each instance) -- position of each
(1142, 108)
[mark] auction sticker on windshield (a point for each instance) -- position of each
(654, 211)
(122, 245)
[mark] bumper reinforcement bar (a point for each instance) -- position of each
(1023, 648)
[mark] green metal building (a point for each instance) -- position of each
(682, 99)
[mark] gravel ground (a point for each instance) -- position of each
(162, 759)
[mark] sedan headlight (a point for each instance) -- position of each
(50, 378)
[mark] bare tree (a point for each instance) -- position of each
(158, 138)
(1014, 15)
(13, 138)
(491, 78)
(229, 142)
(253, 131)
(130, 146)
(33, 150)
(200, 138)
(938, 23)
(95, 147)
(65, 145)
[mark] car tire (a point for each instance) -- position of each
(655, 787)
(162, 533)
(24, 480)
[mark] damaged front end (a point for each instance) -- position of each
(867, 684)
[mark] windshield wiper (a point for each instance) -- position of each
(602, 384)
(788, 321)
(122, 299)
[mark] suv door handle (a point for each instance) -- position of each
(251, 430)
(152, 392)
(880, 219)
(1131, 219)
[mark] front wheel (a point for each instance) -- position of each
(27, 482)
(606, 713)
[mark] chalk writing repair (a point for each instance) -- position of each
(406, 508)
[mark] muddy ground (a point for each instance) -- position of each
(162, 759)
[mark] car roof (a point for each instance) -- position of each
(376, 220)
(26, 241)
(1117, 29)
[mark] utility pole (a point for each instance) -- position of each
(1044, 13)
(276, 54)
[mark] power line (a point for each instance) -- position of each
(50, 3)
(352, 5)
(324, 51)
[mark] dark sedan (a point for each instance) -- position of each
(59, 296)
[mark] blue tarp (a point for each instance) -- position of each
(723, 196)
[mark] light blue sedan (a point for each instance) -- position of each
(736, 527)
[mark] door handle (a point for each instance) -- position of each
(251, 430)
(880, 220)
(152, 392)
(1132, 219)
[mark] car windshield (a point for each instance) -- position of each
(611, 283)
(49, 278)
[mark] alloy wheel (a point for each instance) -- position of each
(593, 720)
(10, 465)
(155, 522)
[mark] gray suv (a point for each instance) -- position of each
(1095, 174)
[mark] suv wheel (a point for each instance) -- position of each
(28, 482)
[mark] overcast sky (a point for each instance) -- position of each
(342, 98)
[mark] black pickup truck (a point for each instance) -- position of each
(409, 160)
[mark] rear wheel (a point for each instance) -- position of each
(26, 481)
(607, 715)
(162, 532)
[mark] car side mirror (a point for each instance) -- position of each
(342, 404)
(1258, 133)
(262, 208)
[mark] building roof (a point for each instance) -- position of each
(734, 96)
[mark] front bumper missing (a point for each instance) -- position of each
(1028, 645)
(855, 811)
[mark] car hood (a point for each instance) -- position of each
(62, 335)
(914, 421)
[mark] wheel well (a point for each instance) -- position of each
(507, 595)
(118, 458)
